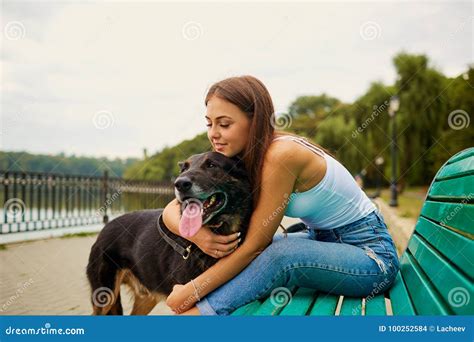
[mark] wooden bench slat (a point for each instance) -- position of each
(455, 247)
(247, 309)
(400, 299)
(351, 306)
(375, 306)
(325, 305)
(275, 303)
(424, 297)
(439, 258)
(441, 274)
(456, 215)
(268, 308)
(458, 189)
(300, 303)
(458, 168)
(468, 152)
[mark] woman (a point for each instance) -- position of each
(346, 250)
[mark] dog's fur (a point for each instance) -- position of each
(129, 250)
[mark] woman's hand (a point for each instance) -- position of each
(217, 246)
(181, 299)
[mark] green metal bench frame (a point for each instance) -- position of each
(436, 270)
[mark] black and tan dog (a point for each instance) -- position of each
(138, 250)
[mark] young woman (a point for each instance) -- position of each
(346, 249)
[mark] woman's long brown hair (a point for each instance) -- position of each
(252, 97)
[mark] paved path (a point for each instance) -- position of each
(47, 277)
(401, 228)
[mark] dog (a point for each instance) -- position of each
(138, 250)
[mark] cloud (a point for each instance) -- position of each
(150, 64)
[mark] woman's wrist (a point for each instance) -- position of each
(196, 290)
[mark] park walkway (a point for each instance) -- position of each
(47, 277)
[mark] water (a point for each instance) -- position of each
(24, 214)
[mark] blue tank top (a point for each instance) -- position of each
(335, 201)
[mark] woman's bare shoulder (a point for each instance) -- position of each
(307, 165)
(287, 152)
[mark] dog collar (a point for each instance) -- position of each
(184, 252)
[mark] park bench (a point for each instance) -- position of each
(436, 270)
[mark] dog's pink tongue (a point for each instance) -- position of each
(191, 220)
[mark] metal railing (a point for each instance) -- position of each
(34, 201)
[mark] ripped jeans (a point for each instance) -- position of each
(356, 260)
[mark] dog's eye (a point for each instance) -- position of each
(183, 166)
(211, 164)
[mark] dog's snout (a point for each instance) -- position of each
(183, 184)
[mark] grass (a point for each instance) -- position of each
(67, 236)
(83, 234)
(409, 202)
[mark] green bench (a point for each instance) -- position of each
(436, 271)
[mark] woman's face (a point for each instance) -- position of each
(228, 126)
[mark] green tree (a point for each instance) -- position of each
(419, 119)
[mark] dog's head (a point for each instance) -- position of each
(213, 190)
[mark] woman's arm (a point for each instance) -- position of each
(205, 239)
(280, 171)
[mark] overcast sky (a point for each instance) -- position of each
(110, 78)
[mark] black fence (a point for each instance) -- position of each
(35, 201)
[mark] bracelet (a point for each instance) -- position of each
(196, 294)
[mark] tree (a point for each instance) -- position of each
(422, 101)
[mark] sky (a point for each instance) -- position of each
(111, 78)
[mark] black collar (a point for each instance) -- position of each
(184, 252)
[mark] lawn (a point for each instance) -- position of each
(409, 202)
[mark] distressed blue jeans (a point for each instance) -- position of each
(353, 260)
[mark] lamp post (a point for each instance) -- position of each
(379, 162)
(392, 109)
